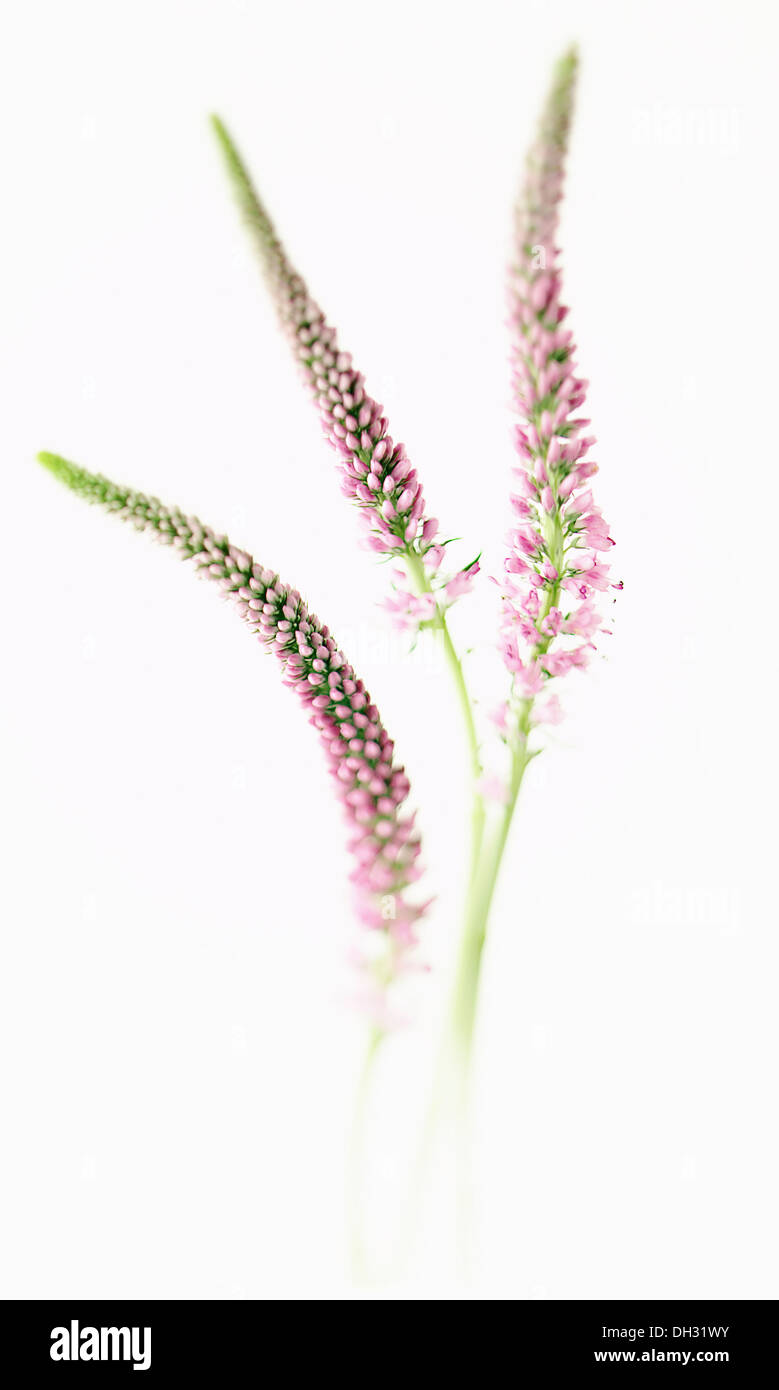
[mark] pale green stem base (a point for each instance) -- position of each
(483, 883)
(464, 1004)
(355, 1195)
(419, 578)
(453, 1070)
(474, 935)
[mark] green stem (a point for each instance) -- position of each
(474, 935)
(420, 578)
(466, 993)
(421, 581)
(483, 884)
(455, 666)
(482, 892)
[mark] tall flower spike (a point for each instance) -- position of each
(555, 549)
(369, 782)
(376, 472)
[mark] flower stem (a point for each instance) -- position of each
(475, 932)
(465, 1000)
(420, 578)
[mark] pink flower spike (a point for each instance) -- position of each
(555, 548)
(370, 786)
(375, 473)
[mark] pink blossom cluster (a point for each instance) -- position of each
(375, 471)
(371, 785)
(411, 611)
(554, 568)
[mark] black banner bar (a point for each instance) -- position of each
(218, 1340)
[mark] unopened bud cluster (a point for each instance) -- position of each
(371, 785)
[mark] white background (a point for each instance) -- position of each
(178, 1054)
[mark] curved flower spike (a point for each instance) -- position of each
(370, 784)
(559, 535)
(376, 472)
